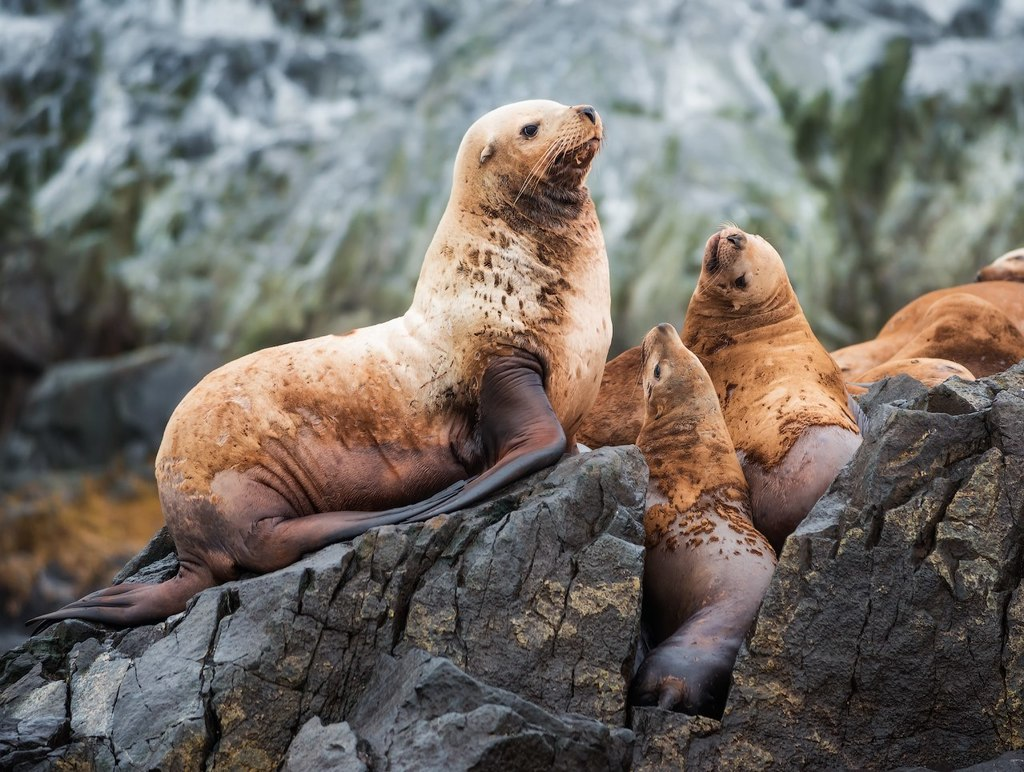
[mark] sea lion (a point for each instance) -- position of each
(485, 379)
(788, 412)
(618, 412)
(902, 326)
(1006, 267)
(706, 568)
(927, 370)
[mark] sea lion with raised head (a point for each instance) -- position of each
(788, 412)
(706, 568)
(484, 380)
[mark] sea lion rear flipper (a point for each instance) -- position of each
(125, 605)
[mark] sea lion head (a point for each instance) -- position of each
(672, 375)
(1007, 267)
(534, 154)
(742, 271)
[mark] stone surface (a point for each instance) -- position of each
(535, 594)
(237, 173)
(891, 635)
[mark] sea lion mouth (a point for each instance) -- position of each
(579, 157)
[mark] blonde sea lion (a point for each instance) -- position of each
(706, 568)
(784, 401)
(485, 379)
(1006, 267)
(1006, 296)
(927, 370)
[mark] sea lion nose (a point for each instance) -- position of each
(588, 111)
(666, 329)
(737, 240)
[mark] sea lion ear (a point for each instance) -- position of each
(487, 152)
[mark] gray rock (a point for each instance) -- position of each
(422, 712)
(536, 592)
(87, 414)
(334, 746)
(251, 180)
(892, 632)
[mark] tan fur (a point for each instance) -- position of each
(1006, 296)
(618, 412)
(927, 370)
(1006, 267)
(484, 286)
(707, 567)
(773, 377)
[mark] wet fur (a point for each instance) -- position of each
(706, 567)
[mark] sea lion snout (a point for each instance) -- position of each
(589, 112)
(738, 240)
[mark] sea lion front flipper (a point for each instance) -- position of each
(518, 428)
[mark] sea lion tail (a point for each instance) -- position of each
(127, 605)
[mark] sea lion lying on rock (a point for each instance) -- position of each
(484, 380)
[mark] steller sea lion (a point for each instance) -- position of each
(928, 371)
(788, 412)
(1006, 267)
(706, 568)
(1006, 296)
(618, 413)
(484, 380)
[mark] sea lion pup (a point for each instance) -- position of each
(485, 379)
(706, 567)
(927, 370)
(1006, 267)
(902, 326)
(785, 404)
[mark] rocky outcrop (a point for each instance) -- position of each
(503, 637)
(893, 631)
(477, 636)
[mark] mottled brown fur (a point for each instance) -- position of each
(706, 567)
(778, 387)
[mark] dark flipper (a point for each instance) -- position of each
(125, 605)
(519, 434)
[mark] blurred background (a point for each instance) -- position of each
(184, 181)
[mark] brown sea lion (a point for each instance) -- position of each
(784, 401)
(927, 370)
(1006, 296)
(618, 412)
(1006, 267)
(485, 379)
(706, 568)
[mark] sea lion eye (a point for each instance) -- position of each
(530, 130)
(741, 281)
(657, 370)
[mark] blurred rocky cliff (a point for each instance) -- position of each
(182, 181)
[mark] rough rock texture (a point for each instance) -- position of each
(536, 593)
(893, 631)
(892, 635)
